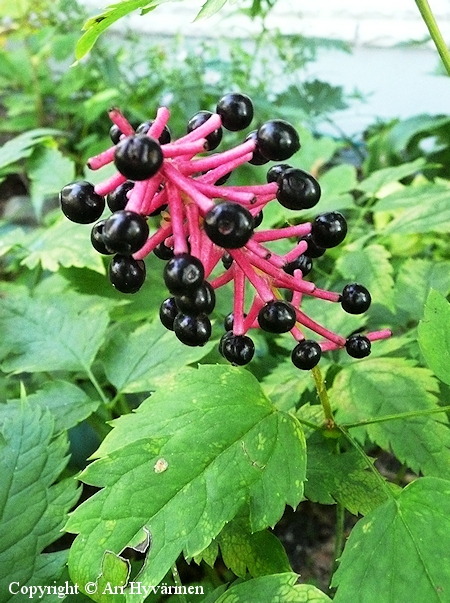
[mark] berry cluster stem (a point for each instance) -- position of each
(431, 23)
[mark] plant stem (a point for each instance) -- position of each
(97, 386)
(430, 22)
(177, 580)
(323, 396)
(403, 415)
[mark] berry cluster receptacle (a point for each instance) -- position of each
(210, 233)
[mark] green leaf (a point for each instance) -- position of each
(98, 24)
(68, 404)
(399, 552)
(48, 171)
(22, 146)
(63, 244)
(33, 508)
(434, 335)
(343, 478)
(335, 183)
(278, 588)
(415, 279)
(259, 553)
(381, 178)
(147, 357)
(371, 267)
(60, 333)
(285, 384)
(383, 387)
(154, 472)
(211, 7)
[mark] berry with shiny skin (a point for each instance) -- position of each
(306, 354)
(229, 225)
(277, 140)
(212, 140)
(303, 263)
(297, 189)
(235, 110)
(358, 346)
(228, 322)
(238, 349)
(97, 238)
(167, 312)
(115, 133)
(355, 299)
(126, 274)
(117, 199)
(257, 219)
(144, 127)
(184, 273)
(257, 158)
(277, 316)
(138, 157)
(329, 230)
(192, 330)
(276, 171)
(163, 252)
(80, 203)
(200, 301)
(227, 260)
(125, 232)
(312, 251)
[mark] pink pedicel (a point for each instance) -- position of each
(189, 191)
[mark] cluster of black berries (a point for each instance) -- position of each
(209, 231)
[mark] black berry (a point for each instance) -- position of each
(277, 317)
(117, 199)
(312, 251)
(97, 238)
(329, 230)
(200, 301)
(138, 157)
(297, 189)
(257, 219)
(228, 322)
(192, 330)
(80, 203)
(213, 139)
(167, 312)
(144, 127)
(355, 299)
(126, 274)
(125, 232)
(303, 263)
(229, 225)
(276, 171)
(235, 110)
(227, 260)
(115, 133)
(183, 274)
(306, 354)
(163, 252)
(257, 157)
(358, 346)
(238, 349)
(277, 140)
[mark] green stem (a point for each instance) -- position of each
(403, 415)
(97, 386)
(430, 22)
(178, 583)
(323, 396)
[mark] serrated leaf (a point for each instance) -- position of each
(22, 146)
(33, 508)
(285, 384)
(399, 552)
(414, 280)
(63, 244)
(148, 357)
(434, 335)
(278, 588)
(382, 387)
(343, 478)
(60, 333)
(68, 404)
(336, 184)
(371, 267)
(248, 450)
(98, 24)
(381, 178)
(416, 194)
(258, 553)
(48, 170)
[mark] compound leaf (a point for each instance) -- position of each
(154, 472)
(399, 552)
(386, 387)
(33, 508)
(277, 588)
(42, 334)
(434, 335)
